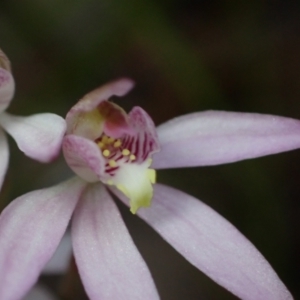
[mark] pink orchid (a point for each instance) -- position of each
(38, 136)
(111, 151)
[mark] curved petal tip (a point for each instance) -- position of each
(38, 136)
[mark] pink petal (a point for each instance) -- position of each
(116, 122)
(212, 244)
(146, 141)
(216, 137)
(83, 157)
(38, 136)
(109, 263)
(4, 61)
(4, 155)
(30, 230)
(93, 99)
(7, 88)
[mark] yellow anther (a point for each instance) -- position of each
(109, 182)
(106, 152)
(125, 152)
(110, 140)
(112, 163)
(132, 157)
(100, 145)
(117, 143)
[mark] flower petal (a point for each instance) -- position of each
(7, 83)
(38, 136)
(108, 262)
(216, 137)
(30, 230)
(115, 120)
(93, 99)
(212, 244)
(4, 61)
(146, 141)
(83, 157)
(4, 156)
(7, 88)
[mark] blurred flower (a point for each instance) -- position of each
(108, 261)
(38, 136)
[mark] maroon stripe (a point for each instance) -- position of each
(145, 150)
(110, 170)
(137, 146)
(119, 157)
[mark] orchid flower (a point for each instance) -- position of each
(38, 136)
(112, 151)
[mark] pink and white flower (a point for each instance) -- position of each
(38, 136)
(111, 151)
(105, 144)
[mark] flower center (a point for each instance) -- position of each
(126, 143)
(127, 155)
(116, 152)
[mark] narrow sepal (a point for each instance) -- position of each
(212, 244)
(219, 137)
(38, 136)
(31, 228)
(109, 264)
